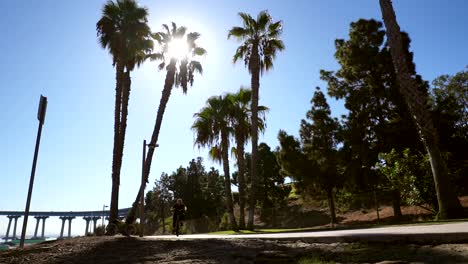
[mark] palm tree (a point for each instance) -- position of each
(123, 30)
(213, 129)
(449, 205)
(260, 44)
(240, 115)
(181, 69)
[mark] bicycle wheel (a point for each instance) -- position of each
(177, 226)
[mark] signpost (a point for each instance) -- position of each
(41, 112)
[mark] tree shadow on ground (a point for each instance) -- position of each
(136, 250)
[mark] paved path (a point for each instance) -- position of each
(440, 233)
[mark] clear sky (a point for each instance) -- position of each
(50, 48)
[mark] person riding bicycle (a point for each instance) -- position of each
(178, 209)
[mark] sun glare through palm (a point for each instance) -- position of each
(178, 48)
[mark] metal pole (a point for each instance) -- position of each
(41, 117)
(104, 215)
(142, 191)
(376, 207)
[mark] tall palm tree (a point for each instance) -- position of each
(213, 129)
(240, 115)
(123, 30)
(449, 205)
(259, 45)
(181, 70)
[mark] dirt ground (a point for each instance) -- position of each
(121, 249)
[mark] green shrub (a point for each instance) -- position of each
(100, 230)
(224, 225)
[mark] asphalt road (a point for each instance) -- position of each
(432, 233)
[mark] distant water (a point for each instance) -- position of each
(14, 243)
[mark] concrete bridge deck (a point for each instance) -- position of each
(121, 212)
(88, 216)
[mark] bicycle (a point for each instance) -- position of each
(178, 225)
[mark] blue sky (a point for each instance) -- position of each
(50, 48)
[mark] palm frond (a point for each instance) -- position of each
(158, 36)
(174, 28)
(248, 21)
(234, 152)
(161, 66)
(195, 66)
(193, 36)
(263, 19)
(156, 56)
(216, 154)
(241, 53)
(239, 33)
(199, 51)
(166, 27)
(180, 32)
(275, 29)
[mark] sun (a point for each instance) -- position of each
(178, 49)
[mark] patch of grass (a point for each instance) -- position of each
(257, 231)
(313, 260)
(231, 232)
(293, 195)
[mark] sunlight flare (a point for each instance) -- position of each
(178, 49)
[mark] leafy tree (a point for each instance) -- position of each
(193, 195)
(271, 189)
(202, 191)
(157, 203)
(213, 194)
(377, 119)
(320, 136)
(260, 44)
(408, 176)
(293, 161)
(449, 105)
(212, 129)
(180, 72)
(449, 205)
(241, 115)
(123, 30)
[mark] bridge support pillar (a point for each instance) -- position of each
(43, 226)
(87, 219)
(12, 217)
(38, 219)
(8, 229)
(63, 225)
(95, 219)
(69, 218)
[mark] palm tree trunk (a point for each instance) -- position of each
(449, 205)
(331, 206)
(116, 159)
(166, 93)
(255, 83)
(241, 170)
(227, 181)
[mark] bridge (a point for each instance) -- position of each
(88, 216)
